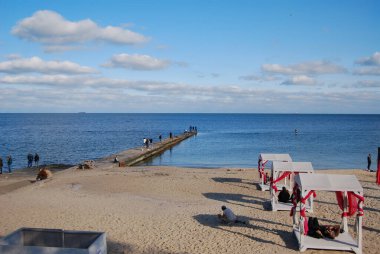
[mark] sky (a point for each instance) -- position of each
(190, 56)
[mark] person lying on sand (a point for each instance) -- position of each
(229, 216)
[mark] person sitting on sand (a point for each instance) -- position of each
(284, 195)
(43, 174)
(229, 216)
(116, 160)
(266, 178)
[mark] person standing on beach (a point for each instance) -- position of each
(36, 159)
(160, 137)
(9, 163)
(170, 135)
(369, 161)
(1, 165)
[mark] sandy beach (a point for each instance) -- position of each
(169, 209)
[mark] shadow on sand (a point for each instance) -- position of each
(213, 222)
(238, 182)
(238, 199)
(114, 247)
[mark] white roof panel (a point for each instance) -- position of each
(275, 157)
(328, 182)
(292, 166)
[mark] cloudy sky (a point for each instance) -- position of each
(190, 56)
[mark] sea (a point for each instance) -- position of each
(223, 140)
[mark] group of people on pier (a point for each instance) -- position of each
(9, 162)
(30, 158)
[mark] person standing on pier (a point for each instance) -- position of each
(170, 135)
(9, 163)
(160, 138)
(30, 160)
(36, 159)
(1, 165)
(369, 161)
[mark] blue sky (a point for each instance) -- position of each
(190, 56)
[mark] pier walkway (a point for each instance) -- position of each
(137, 155)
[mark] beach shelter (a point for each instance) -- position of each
(350, 199)
(264, 159)
(287, 170)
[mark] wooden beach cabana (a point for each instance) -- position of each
(281, 171)
(350, 198)
(264, 159)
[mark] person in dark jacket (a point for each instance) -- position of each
(284, 195)
(30, 160)
(36, 159)
(1, 165)
(9, 163)
(369, 161)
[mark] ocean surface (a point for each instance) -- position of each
(223, 140)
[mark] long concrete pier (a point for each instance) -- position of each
(137, 155)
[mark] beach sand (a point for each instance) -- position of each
(170, 210)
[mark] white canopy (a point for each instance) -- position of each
(279, 167)
(275, 157)
(292, 166)
(328, 182)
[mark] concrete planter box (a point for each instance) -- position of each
(53, 241)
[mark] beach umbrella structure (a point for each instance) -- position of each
(350, 199)
(264, 160)
(279, 173)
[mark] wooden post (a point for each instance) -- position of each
(302, 221)
(345, 204)
(359, 230)
(272, 192)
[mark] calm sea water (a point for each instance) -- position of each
(224, 140)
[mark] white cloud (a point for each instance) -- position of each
(263, 78)
(64, 93)
(36, 64)
(373, 60)
(61, 48)
(50, 28)
(300, 80)
(307, 68)
(367, 84)
(136, 62)
(13, 56)
(367, 71)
